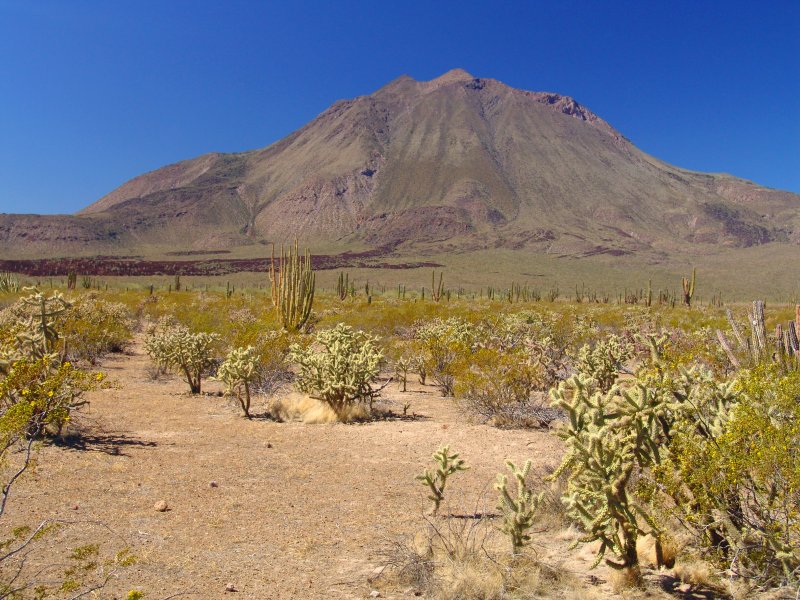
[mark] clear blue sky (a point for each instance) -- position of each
(93, 93)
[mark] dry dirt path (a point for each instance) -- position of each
(298, 511)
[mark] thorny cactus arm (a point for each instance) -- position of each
(436, 480)
(518, 511)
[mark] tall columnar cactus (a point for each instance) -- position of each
(293, 283)
(756, 346)
(436, 479)
(688, 288)
(437, 290)
(519, 511)
(343, 285)
(9, 282)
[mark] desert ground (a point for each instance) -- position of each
(273, 509)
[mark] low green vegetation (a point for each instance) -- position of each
(678, 420)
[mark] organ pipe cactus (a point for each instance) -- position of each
(293, 283)
(755, 346)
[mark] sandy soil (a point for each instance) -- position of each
(297, 510)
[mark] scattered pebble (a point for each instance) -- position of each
(161, 506)
(75, 507)
(684, 588)
(269, 445)
(231, 588)
(213, 484)
(374, 594)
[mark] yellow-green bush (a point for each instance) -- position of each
(93, 327)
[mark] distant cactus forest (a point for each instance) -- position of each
(673, 414)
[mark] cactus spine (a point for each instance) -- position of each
(293, 283)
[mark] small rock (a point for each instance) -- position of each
(374, 594)
(213, 484)
(269, 445)
(75, 507)
(378, 570)
(161, 506)
(684, 588)
(231, 588)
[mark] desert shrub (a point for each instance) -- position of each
(93, 327)
(501, 387)
(239, 371)
(177, 348)
(733, 472)
(443, 347)
(338, 367)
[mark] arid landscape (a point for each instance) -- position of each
(357, 300)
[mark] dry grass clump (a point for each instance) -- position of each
(295, 406)
(464, 558)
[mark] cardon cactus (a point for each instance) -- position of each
(339, 367)
(688, 288)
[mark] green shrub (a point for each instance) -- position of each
(93, 327)
(338, 367)
(443, 347)
(501, 387)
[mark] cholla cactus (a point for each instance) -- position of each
(178, 348)
(238, 372)
(39, 336)
(600, 459)
(603, 362)
(339, 367)
(518, 511)
(446, 465)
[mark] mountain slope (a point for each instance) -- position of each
(453, 164)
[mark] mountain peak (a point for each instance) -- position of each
(453, 75)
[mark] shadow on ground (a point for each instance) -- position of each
(112, 444)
